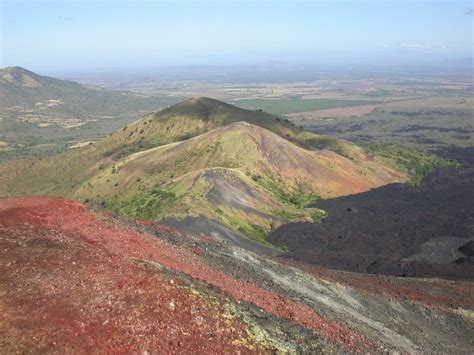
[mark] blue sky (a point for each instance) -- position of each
(47, 35)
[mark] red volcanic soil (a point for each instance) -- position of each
(67, 283)
(74, 280)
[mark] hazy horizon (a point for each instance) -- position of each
(85, 36)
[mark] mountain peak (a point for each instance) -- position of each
(202, 99)
(198, 105)
(219, 112)
(19, 76)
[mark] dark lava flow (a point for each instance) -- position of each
(398, 229)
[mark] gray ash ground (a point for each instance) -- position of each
(397, 313)
(398, 229)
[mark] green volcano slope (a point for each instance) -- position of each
(62, 174)
(247, 170)
(242, 175)
(199, 115)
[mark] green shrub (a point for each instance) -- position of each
(299, 199)
(254, 232)
(318, 216)
(147, 204)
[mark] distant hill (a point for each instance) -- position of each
(28, 90)
(246, 170)
(21, 87)
(40, 114)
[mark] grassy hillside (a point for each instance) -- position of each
(191, 118)
(181, 121)
(199, 115)
(203, 158)
(242, 175)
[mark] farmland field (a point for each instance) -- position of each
(426, 126)
(292, 105)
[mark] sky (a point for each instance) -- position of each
(80, 35)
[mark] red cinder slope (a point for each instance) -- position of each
(66, 284)
(75, 280)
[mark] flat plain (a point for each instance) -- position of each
(423, 111)
(434, 112)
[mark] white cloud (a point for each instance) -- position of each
(415, 45)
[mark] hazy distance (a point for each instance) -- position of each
(71, 37)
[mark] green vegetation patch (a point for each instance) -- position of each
(416, 163)
(314, 215)
(299, 199)
(288, 214)
(147, 204)
(254, 232)
(286, 106)
(318, 215)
